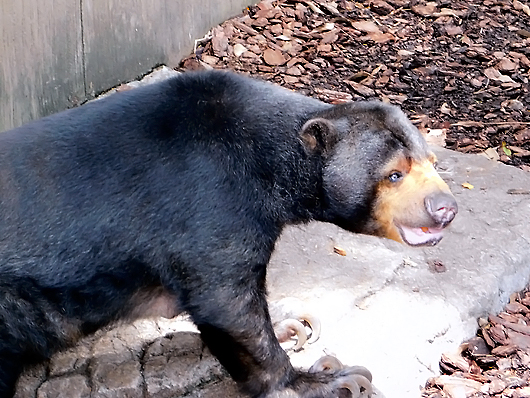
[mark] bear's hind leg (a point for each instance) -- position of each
(31, 330)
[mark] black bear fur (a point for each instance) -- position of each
(178, 191)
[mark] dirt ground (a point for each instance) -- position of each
(460, 70)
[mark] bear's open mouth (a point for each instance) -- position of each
(421, 236)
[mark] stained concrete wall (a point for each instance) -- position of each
(55, 54)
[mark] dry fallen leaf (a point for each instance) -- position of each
(507, 65)
(448, 12)
(467, 185)
(405, 53)
(520, 6)
(239, 49)
(456, 360)
(491, 153)
(453, 30)
(505, 149)
(496, 386)
(426, 10)
(513, 104)
(274, 57)
(466, 40)
(366, 26)
(333, 96)
(523, 135)
(518, 151)
(219, 42)
(494, 74)
(436, 137)
(210, 59)
(339, 250)
(445, 109)
(381, 38)
(452, 384)
(361, 89)
(314, 7)
(326, 27)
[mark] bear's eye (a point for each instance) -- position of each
(395, 176)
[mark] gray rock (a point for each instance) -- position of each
(75, 386)
(178, 365)
(30, 381)
(116, 380)
(75, 359)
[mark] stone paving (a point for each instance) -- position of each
(149, 358)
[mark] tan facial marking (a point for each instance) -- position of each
(403, 201)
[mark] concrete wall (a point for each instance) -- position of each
(55, 54)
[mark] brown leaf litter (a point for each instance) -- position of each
(455, 66)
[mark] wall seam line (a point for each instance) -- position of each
(83, 54)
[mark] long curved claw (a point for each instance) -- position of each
(350, 385)
(358, 385)
(289, 328)
(292, 308)
(356, 379)
(326, 364)
(314, 324)
(357, 370)
(365, 385)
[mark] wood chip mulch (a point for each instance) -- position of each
(495, 363)
(459, 69)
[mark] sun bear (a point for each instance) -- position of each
(171, 197)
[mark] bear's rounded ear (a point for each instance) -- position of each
(319, 135)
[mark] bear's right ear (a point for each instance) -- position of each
(319, 136)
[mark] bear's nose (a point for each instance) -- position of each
(442, 207)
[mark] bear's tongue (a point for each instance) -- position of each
(421, 236)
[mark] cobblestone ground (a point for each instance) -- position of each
(162, 358)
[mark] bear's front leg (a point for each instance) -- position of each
(235, 325)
